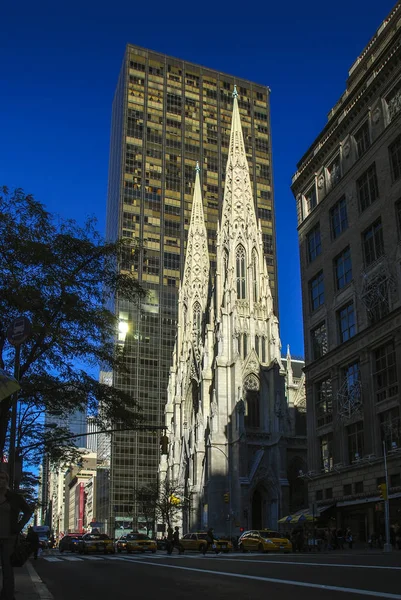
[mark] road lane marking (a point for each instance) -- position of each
(314, 564)
(52, 559)
(72, 558)
(40, 587)
(304, 584)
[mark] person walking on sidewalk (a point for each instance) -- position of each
(210, 542)
(33, 539)
(11, 524)
(176, 541)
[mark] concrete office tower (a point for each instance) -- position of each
(348, 190)
(168, 114)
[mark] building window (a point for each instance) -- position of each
(398, 217)
(395, 480)
(338, 218)
(319, 495)
(373, 245)
(333, 172)
(376, 296)
(324, 402)
(311, 198)
(346, 322)
(241, 273)
(390, 428)
(326, 452)
(355, 441)
(329, 493)
(316, 288)
(395, 158)
(314, 243)
(362, 139)
(319, 340)
(243, 345)
(367, 188)
(385, 372)
(359, 487)
(343, 269)
(255, 276)
(350, 394)
(252, 399)
(347, 489)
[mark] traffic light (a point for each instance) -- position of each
(164, 444)
(383, 491)
(242, 529)
(226, 497)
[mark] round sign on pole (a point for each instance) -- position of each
(19, 330)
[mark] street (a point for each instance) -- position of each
(245, 576)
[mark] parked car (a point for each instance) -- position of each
(69, 542)
(121, 543)
(264, 540)
(140, 542)
(197, 541)
(96, 542)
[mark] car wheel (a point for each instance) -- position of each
(201, 548)
(153, 551)
(242, 548)
(260, 548)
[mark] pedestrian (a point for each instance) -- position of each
(349, 538)
(33, 539)
(170, 540)
(176, 541)
(11, 524)
(210, 542)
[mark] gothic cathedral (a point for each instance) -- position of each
(235, 413)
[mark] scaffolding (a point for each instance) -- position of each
(349, 400)
(376, 289)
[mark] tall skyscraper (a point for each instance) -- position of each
(348, 192)
(167, 115)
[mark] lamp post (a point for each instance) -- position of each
(229, 485)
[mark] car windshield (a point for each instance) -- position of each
(96, 536)
(137, 536)
(270, 534)
(202, 536)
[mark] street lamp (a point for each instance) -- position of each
(229, 484)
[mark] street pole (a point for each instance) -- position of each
(387, 546)
(13, 424)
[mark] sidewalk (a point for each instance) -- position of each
(28, 584)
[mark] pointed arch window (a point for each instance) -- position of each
(257, 345)
(255, 276)
(225, 267)
(243, 345)
(197, 322)
(263, 344)
(252, 398)
(241, 272)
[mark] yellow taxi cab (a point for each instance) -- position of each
(140, 542)
(95, 542)
(197, 541)
(264, 540)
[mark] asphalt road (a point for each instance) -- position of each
(235, 576)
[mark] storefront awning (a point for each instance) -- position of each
(367, 500)
(304, 515)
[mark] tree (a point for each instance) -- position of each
(164, 502)
(65, 279)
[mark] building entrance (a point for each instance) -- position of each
(257, 510)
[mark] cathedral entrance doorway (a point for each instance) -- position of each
(257, 510)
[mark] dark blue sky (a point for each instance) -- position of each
(58, 70)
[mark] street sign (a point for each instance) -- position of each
(19, 330)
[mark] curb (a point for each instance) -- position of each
(40, 587)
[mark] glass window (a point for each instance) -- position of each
(350, 393)
(395, 158)
(311, 198)
(255, 276)
(362, 139)
(326, 452)
(359, 487)
(316, 288)
(319, 340)
(373, 245)
(338, 217)
(241, 272)
(346, 322)
(319, 495)
(347, 489)
(355, 441)
(398, 217)
(314, 243)
(376, 296)
(390, 428)
(333, 172)
(385, 372)
(324, 402)
(253, 411)
(367, 188)
(343, 269)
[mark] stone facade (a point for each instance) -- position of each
(348, 191)
(234, 405)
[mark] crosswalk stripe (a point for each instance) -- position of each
(52, 559)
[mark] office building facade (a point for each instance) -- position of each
(348, 193)
(167, 115)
